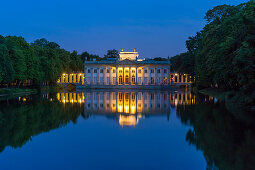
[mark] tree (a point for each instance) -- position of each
(112, 54)
(6, 69)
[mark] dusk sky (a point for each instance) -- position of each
(157, 28)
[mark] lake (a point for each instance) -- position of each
(123, 130)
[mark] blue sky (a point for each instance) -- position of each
(157, 28)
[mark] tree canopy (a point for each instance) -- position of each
(222, 54)
(39, 62)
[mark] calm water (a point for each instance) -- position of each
(123, 130)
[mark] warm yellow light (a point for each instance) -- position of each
(126, 109)
(132, 109)
(120, 108)
(127, 121)
(24, 99)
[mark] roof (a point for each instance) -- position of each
(128, 62)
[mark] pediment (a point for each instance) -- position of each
(127, 62)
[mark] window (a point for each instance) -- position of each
(133, 96)
(126, 79)
(158, 70)
(133, 71)
(145, 80)
(165, 80)
(139, 70)
(108, 80)
(152, 96)
(152, 80)
(139, 80)
(88, 70)
(120, 71)
(127, 96)
(126, 71)
(107, 71)
(101, 71)
(120, 80)
(165, 70)
(120, 96)
(95, 70)
(113, 71)
(139, 96)
(158, 80)
(145, 71)
(133, 79)
(152, 70)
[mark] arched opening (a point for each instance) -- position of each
(120, 80)
(126, 79)
(133, 79)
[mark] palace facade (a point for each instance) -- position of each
(128, 71)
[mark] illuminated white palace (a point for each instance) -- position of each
(128, 71)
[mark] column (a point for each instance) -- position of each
(110, 75)
(168, 76)
(74, 78)
(135, 75)
(130, 79)
(116, 71)
(98, 76)
(92, 76)
(104, 78)
(143, 82)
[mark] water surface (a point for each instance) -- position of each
(122, 130)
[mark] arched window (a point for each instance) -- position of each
(133, 79)
(120, 79)
(126, 79)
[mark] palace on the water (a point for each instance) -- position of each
(126, 71)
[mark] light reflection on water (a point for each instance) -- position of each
(129, 106)
(175, 130)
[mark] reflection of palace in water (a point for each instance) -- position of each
(128, 106)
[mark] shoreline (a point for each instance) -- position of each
(10, 93)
